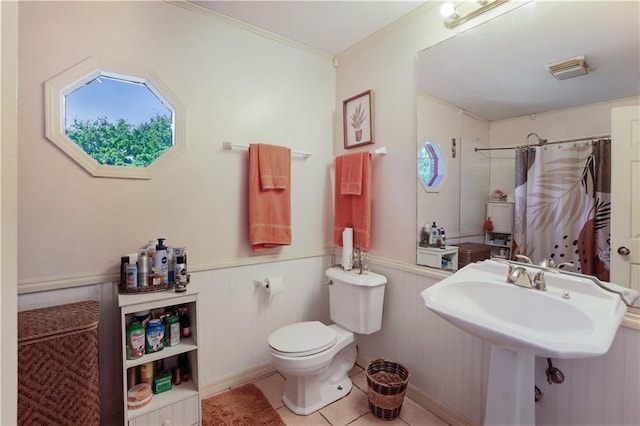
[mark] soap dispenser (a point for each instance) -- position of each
(433, 236)
(161, 260)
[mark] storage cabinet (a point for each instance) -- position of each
(500, 238)
(181, 404)
(446, 258)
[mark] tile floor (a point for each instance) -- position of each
(353, 409)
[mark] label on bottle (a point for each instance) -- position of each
(155, 336)
(131, 272)
(135, 340)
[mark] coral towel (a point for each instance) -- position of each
(269, 196)
(352, 209)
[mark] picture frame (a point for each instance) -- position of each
(358, 120)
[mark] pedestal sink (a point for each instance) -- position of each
(572, 319)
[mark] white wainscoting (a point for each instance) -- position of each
(447, 366)
(450, 366)
(235, 320)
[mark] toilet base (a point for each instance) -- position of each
(304, 395)
(328, 393)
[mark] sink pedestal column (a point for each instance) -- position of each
(510, 391)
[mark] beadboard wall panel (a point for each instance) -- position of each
(235, 317)
(445, 363)
(452, 366)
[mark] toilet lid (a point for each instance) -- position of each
(303, 338)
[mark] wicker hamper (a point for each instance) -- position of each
(472, 252)
(387, 382)
(58, 376)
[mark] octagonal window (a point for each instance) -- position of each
(114, 120)
(431, 166)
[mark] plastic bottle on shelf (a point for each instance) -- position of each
(151, 250)
(161, 260)
(433, 236)
(185, 323)
(443, 239)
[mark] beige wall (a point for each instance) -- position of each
(385, 63)
(237, 86)
(8, 211)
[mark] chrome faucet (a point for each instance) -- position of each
(519, 276)
(550, 263)
(538, 280)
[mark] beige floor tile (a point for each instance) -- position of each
(347, 409)
(313, 419)
(272, 387)
(415, 415)
(370, 419)
(360, 380)
(355, 370)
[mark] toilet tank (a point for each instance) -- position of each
(355, 300)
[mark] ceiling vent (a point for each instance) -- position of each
(569, 68)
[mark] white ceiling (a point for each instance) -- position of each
(329, 26)
(495, 70)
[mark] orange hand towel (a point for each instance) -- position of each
(354, 210)
(351, 179)
(274, 164)
(269, 209)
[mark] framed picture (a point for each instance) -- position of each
(358, 120)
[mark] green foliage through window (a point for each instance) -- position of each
(122, 143)
(430, 165)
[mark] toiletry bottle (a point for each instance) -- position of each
(161, 261)
(180, 272)
(443, 239)
(424, 236)
(131, 271)
(151, 250)
(124, 261)
(143, 269)
(171, 264)
(433, 236)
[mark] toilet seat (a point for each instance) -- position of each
(302, 339)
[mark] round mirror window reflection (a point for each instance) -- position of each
(431, 166)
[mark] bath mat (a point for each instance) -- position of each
(241, 406)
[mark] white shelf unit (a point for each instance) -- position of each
(181, 404)
(501, 237)
(434, 256)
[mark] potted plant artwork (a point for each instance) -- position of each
(358, 120)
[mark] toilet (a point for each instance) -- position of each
(316, 358)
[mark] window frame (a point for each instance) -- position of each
(440, 162)
(88, 70)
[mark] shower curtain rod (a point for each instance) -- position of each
(545, 144)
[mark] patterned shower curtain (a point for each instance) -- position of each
(563, 205)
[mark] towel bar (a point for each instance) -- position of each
(229, 146)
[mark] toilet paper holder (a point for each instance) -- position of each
(264, 283)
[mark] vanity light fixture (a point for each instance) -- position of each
(569, 68)
(456, 15)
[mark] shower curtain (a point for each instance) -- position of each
(563, 206)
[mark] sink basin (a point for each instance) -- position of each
(572, 319)
(478, 300)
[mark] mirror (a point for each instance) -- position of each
(497, 71)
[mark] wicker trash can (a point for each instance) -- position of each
(58, 375)
(387, 382)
